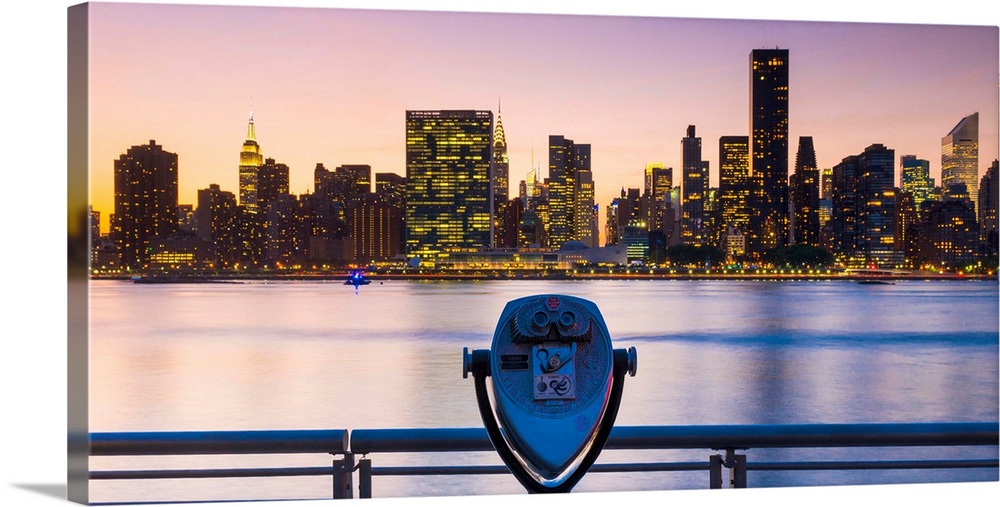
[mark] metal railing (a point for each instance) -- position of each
(725, 440)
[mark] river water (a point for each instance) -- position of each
(310, 355)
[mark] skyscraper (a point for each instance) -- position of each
(272, 182)
(988, 210)
(448, 181)
(769, 147)
(960, 157)
(501, 164)
(734, 183)
(258, 229)
(585, 219)
(346, 186)
(145, 201)
(864, 214)
(694, 185)
(250, 160)
(567, 199)
(805, 194)
(500, 183)
(915, 179)
(844, 212)
(876, 206)
(659, 180)
(216, 221)
(375, 230)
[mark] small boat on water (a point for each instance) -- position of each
(875, 282)
(357, 279)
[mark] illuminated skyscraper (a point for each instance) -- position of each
(500, 184)
(375, 225)
(567, 199)
(734, 182)
(659, 181)
(448, 181)
(250, 160)
(915, 179)
(585, 218)
(805, 194)
(960, 157)
(769, 147)
(501, 165)
(694, 185)
(877, 206)
(145, 201)
(826, 183)
(864, 214)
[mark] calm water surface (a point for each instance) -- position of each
(302, 355)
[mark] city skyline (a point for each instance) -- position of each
(636, 117)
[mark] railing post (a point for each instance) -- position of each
(738, 474)
(343, 472)
(737, 465)
(365, 478)
(715, 472)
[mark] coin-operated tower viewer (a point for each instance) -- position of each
(556, 385)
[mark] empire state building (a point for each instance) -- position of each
(250, 162)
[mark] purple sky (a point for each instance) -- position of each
(333, 85)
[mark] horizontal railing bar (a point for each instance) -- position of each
(219, 442)
(689, 466)
(875, 465)
(803, 435)
(500, 469)
(211, 473)
(366, 441)
(442, 470)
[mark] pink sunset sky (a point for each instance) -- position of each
(333, 85)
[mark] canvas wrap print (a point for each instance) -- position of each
(338, 253)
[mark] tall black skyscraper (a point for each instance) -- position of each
(769, 146)
(805, 195)
(694, 186)
(844, 207)
(145, 201)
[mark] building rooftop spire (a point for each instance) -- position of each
(498, 136)
(251, 135)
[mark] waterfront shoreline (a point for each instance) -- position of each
(375, 276)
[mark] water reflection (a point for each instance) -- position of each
(315, 355)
